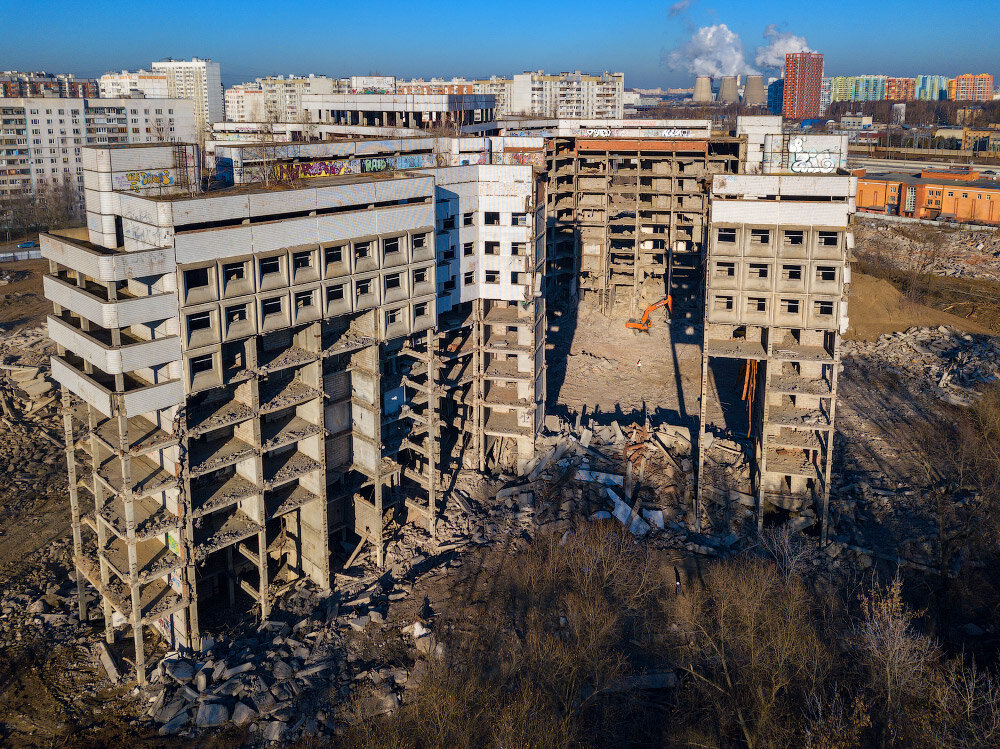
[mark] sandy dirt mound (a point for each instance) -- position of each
(877, 307)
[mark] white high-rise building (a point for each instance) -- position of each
(43, 138)
(199, 80)
(127, 83)
(537, 94)
(245, 103)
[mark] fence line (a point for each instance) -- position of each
(10, 257)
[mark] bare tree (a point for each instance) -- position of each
(899, 661)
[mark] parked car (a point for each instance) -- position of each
(27, 245)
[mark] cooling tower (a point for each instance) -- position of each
(729, 91)
(703, 88)
(755, 95)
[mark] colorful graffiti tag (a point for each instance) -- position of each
(143, 180)
(526, 158)
(311, 169)
(335, 168)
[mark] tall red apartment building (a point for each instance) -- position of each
(803, 78)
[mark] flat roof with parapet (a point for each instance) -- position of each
(916, 179)
(117, 146)
(280, 186)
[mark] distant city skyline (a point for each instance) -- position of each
(250, 40)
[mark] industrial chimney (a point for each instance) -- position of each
(755, 95)
(729, 90)
(703, 89)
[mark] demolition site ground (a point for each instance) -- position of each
(622, 412)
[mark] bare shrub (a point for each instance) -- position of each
(750, 643)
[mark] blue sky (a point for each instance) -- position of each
(254, 37)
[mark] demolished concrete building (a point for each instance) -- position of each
(258, 373)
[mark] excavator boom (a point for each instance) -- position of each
(644, 323)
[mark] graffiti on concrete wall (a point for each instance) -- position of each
(143, 180)
(372, 165)
(605, 132)
(526, 158)
(805, 161)
(310, 169)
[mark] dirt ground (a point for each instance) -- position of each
(876, 306)
(22, 302)
(595, 362)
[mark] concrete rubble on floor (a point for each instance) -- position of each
(961, 254)
(943, 361)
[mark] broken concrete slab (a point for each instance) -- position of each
(211, 714)
(605, 479)
(108, 662)
(243, 714)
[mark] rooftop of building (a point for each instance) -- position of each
(908, 178)
(179, 193)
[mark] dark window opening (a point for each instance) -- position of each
(234, 272)
(200, 321)
(201, 364)
(196, 278)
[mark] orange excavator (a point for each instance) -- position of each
(645, 323)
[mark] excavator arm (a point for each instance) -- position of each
(644, 323)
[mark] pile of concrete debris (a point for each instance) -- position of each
(11, 276)
(957, 253)
(942, 360)
(24, 364)
(31, 451)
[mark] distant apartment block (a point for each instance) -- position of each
(275, 98)
(42, 139)
(537, 94)
(970, 87)
(15, 84)
(900, 89)
(130, 83)
(825, 94)
(200, 81)
(775, 96)
(803, 80)
(245, 103)
(931, 87)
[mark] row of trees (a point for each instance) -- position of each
(54, 205)
(973, 114)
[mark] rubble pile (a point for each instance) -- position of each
(943, 361)
(728, 498)
(11, 276)
(31, 455)
(961, 253)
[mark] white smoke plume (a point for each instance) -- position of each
(681, 6)
(779, 44)
(712, 50)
